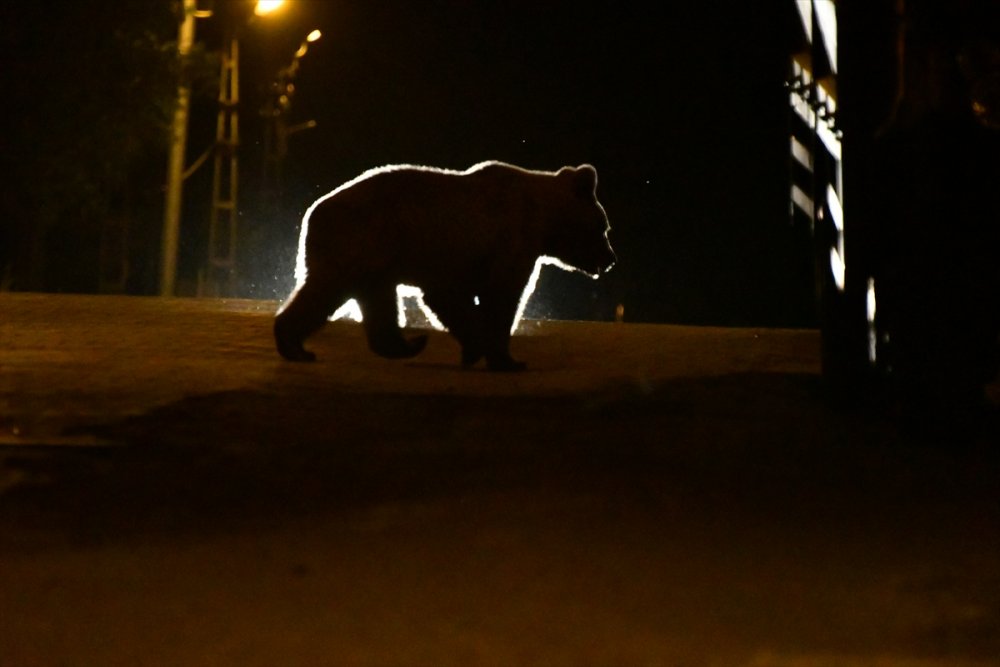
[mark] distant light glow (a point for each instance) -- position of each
(350, 310)
(404, 292)
(313, 36)
(826, 17)
(826, 96)
(801, 106)
(830, 139)
(803, 201)
(801, 153)
(825, 12)
(870, 304)
(836, 210)
(837, 264)
(265, 7)
(800, 69)
(838, 268)
(805, 13)
(822, 123)
(529, 289)
(870, 308)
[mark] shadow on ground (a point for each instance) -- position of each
(753, 444)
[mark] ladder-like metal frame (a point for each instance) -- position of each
(219, 276)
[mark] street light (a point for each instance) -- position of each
(304, 47)
(265, 7)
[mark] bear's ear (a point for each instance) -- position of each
(585, 180)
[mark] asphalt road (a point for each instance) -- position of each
(173, 493)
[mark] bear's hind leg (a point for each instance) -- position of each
(380, 313)
(305, 312)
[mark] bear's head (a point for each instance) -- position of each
(578, 233)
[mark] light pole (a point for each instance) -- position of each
(175, 164)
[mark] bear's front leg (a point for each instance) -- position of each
(301, 316)
(499, 307)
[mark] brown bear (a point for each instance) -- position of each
(469, 240)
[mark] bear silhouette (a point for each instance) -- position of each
(468, 239)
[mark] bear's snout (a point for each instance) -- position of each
(609, 261)
(601, 259)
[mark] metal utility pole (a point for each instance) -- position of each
(218, 278)
(175, 165)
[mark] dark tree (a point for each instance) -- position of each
(88, 88)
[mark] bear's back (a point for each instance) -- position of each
(401, 198)
(414, 218)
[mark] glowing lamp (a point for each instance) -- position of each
(265, 7)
